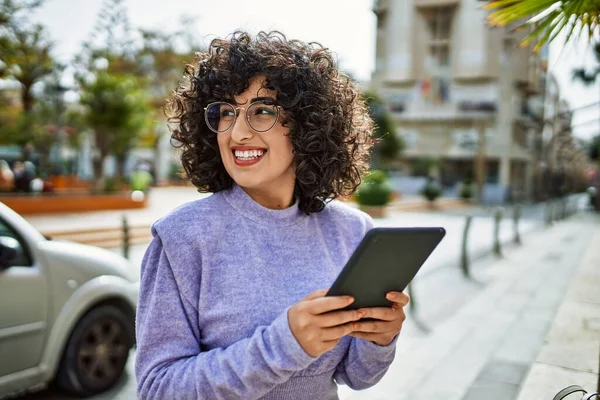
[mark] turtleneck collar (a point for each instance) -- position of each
(245, 205)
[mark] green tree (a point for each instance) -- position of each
(25, 50)
(389, 144)
(152, 58)
(161, 65)
(9, 8)
(548, 18)
(118, 111)
(111, 46)
(25, 57)
(113, 90)
(31, 130)
(161, 60)
(40, 128)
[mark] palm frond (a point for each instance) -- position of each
(575, 10)
(548, 17)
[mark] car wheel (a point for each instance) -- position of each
(96, 352)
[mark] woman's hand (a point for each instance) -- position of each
(388, 321)
(317, 326)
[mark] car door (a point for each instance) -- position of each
(23, 306)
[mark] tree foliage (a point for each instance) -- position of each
(160, 65)
(148, 62)
(25, 57)
(389, 144)
(547, 17)
(118, 111)
(113, 92)
(123, 76)
(33, 130)
(25, 50)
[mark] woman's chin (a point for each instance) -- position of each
(248, 182)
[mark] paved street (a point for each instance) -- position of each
(487, 334)
(463, 334)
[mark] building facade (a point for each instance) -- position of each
(460, 91)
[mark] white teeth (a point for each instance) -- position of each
(246, 155)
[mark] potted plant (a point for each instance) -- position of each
(466, 190)
(140, 181)
(374, 193)
(111, 185)
(431, 191)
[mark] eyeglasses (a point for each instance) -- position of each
(261, 115)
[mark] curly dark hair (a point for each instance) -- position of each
(330, 126)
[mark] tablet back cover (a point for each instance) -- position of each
(386, 260)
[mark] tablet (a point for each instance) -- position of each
(386, 260)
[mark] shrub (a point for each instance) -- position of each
(375, 190)
(111, 185)
(140, 180)
(466, 190)
(431, 191)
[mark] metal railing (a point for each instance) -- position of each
(122, 237)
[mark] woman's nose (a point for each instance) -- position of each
(240, 130)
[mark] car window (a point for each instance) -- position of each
(22, 259)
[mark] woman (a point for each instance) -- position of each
(229, 305)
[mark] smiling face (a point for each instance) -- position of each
(260, 162)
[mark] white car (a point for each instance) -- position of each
(67, 312)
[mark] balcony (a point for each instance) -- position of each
(435, 3)
(416, 113)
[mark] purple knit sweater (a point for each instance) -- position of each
(216, 284)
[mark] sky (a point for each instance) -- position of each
(347, 27)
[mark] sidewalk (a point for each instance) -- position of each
(567, 356)
(527, 324)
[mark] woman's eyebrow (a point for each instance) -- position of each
(262, 99)
(252, 100)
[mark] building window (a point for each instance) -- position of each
(439, 22)
(380, 47)
(410, 137)
(440, 55)
(381, 21)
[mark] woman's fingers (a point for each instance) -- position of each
(382, 320)
(336, 332)
(374, 326)
(381, 313)
(322, 305)
(336, 318)
(398, 298)
(316, 294)
(381, 339)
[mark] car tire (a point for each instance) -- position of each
(97, 351)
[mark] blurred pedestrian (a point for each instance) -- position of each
(21, 183)
(229, 306)
(29, 175)
(7, 177)
(30, 170)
